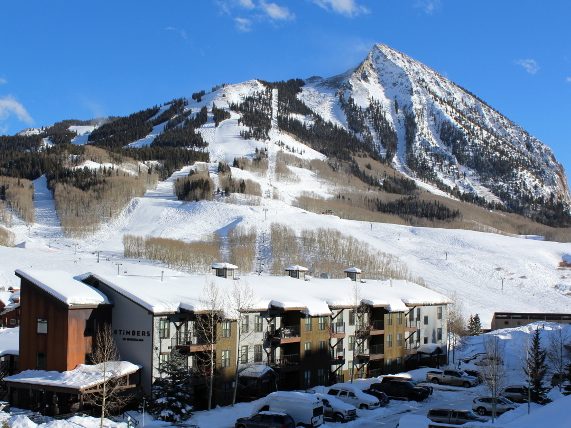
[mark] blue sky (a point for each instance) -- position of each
(61, 59)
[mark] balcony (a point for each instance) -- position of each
(377, 352)
(286, 362)
(285, 335)
(361, 355)
(189, 343)
(337, 330)
(377, 327)
(337, 358)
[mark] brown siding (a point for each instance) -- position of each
(317, 359)
(35, 303)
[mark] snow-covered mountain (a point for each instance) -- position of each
(433, 129)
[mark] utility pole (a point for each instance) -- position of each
(98, 256)
(118, 266)
(162, 275)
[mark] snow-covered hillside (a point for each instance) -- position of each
(445, 134)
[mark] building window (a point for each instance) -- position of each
(322, 345)
(426, 320)
(245, 323)
(42, 326)
(425, 340)
(411, 316)
(308, 324)
(225, 358)
(352, 317)
(321, 377)
(258, 356)
(164, 328)
(163, 358)
(438, 334)
(244, 354)
(351, 343)
(418, 336)
(41, 361)
(258, 324)
(12, 321)
(390, 319)
(322, 323)
(307, 348)
(399, 362)
(307, 378)
(399, 339)
(389, 340)
(439, 312)
(226, 325)
(418, 314)
(399, 318)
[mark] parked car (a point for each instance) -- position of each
(453, 417)
(406, 378)
(305, 409)
(476, 374)
(515, 393)
(335, 409)
(402, 389)
(379, 395)
(352, 395)
(451, 377)
(266, 420)
(484, 405)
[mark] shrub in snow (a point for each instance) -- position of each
(172, 392)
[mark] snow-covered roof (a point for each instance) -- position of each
(315, 297)
(352, 270)
(64, 287)
(81, 378)
(10, 341)
(224, 266)
(296, 268)
(253, 370)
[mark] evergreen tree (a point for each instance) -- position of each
(172, 393)
(535, 367)
(474, 325)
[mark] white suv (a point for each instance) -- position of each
(484, 405)
(354, 396)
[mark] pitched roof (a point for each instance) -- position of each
(64, 287)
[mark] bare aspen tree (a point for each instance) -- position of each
(110, 395)
(212, 303)
(494, 371)
(240, 303)
(456, 326)
(557, 354)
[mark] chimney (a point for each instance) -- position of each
(224, 270)
(353, 273)
(296, 271)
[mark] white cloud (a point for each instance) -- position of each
(427, 6)
(248, 4)
(3, 81)
(243, 24)
(568, 79)
(529, 65)
(10, 106)
(343, 7)
(276, 12)
(181, 32)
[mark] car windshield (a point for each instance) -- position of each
(504, 400)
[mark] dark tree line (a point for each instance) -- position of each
(219, 114)
(123, 130)
(287, 97)
(256, 111)
(412, 206)
(387, 135)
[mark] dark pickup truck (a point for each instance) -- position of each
(403, 389)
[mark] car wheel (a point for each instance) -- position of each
(481, 411)
(339, 417)
(435, 380)
(466, 384)
(364, 407)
